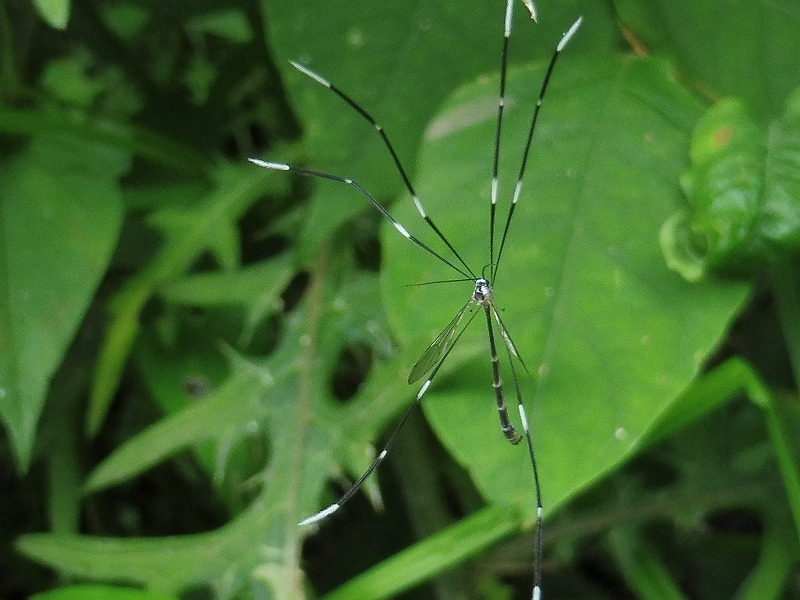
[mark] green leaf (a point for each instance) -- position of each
(779, 554)
(222, 416)
(744, 194)
(188, 233)
(644, 570)
(258, 285)
(167, 563)
(121, 136)
(59, 220)
(706, 394)
(68, 80)
(229, 24)
(611, 336)
(725, 48)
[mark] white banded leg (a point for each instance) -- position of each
(526, 153)
(382, 133)
(399, 227)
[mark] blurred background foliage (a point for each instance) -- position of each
(196, 353)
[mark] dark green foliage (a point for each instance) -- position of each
(743, 189)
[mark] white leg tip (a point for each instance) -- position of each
(269, 165)
(509, 12)
(308, 72)
(568, 35)
(320, 515)
(531, 9)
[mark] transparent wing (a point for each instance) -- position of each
(438, 348)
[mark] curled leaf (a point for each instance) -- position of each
(744, 193)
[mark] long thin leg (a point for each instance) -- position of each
(406, 180)
(512, 353)
(501, 102)
(403, 231)
(523, 416)
(542, 90)
(326, 512)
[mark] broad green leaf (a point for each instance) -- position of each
(610, 335)
(728, 48)
(744, 194)
(399, 60)
(60, 216)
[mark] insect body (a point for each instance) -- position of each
(482, 296)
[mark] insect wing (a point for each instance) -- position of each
(437, 349)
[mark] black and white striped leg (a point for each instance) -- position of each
(382, 132)
(402, 230)
(512, 353)
(526, 153)
(523, 416)
(501, 103)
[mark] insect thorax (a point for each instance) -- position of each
(483, 292)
